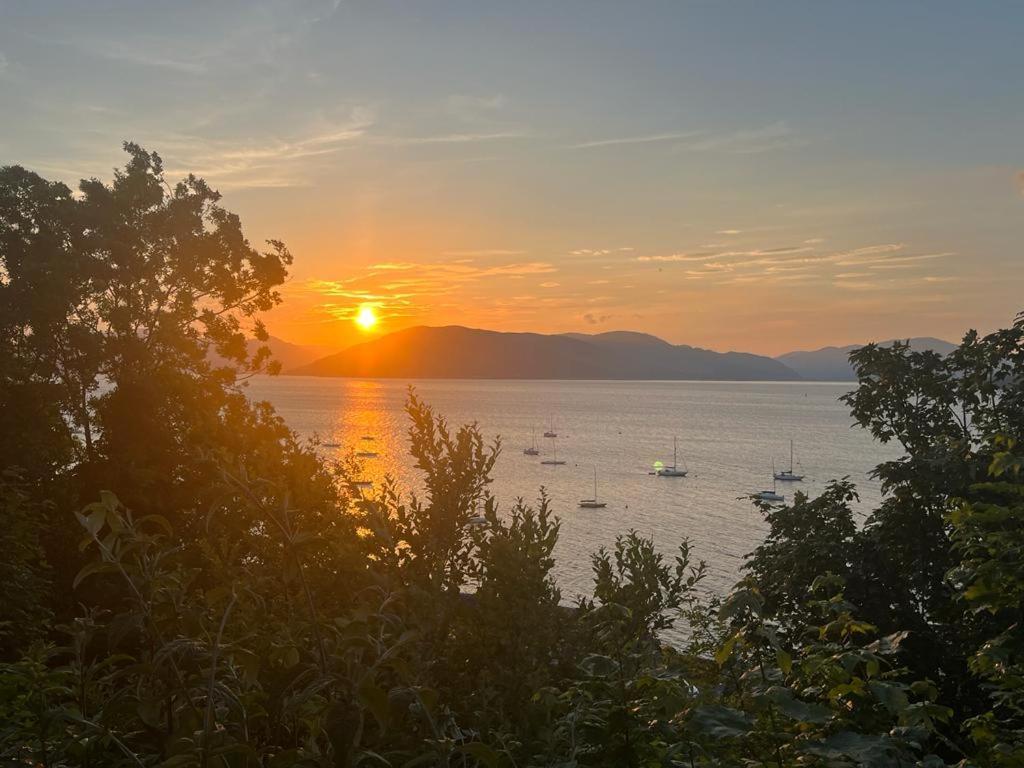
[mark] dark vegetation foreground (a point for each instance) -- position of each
(183, 582)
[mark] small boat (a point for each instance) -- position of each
(367, 437)
(363, 483)
(551, 429)
(773, 494)
(532, 450)
(788, 475)
(593, 503)
(331, 445)
(366, 455)
(673, 470)
(553, 461)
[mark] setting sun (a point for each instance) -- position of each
(366, 318)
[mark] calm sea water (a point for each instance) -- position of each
(728, 434)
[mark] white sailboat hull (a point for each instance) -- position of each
(670, 472)
(791, 477)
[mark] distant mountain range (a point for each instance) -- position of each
(288, 354)
(292, 355)
(833, 363)
(455, 352)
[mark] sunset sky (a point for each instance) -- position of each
(761, 176)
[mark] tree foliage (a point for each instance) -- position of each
(189, 584)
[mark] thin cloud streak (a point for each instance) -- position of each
(775, 136)
(655, 138)
(452, 138)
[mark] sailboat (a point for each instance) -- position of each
(672, 470)
(788, 474)
(551, 428)
(554, 455)
(532, 450)
(773, 494)
(593, 503)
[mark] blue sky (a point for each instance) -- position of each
(761, 176)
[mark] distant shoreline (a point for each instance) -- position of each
(294, 375)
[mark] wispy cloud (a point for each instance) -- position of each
(474, 108)
(766, 138)
(677, 257)
(858, 285)
(874, 261)
(871, 250)
(752, 254)
(804, 264)
(747, 142)
(485, 252)
(530, 268)
(449, 138)
(647, 139)
(116, 51)
(596, 251)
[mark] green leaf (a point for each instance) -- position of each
(180, 761)
(94, 518)
(425, 759)
(724, 653)
(149, 712)
(740, 601)
(482, 753)
(427, 698)
(160, 520)
(285, 759)
(597, 665)
(788, 704)
(721, 722)
(290, 657)
(97, 566)
(249, 663)
(867, 750)
(375, 699)
(366, 755)
(889, 695)
(109, 500)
